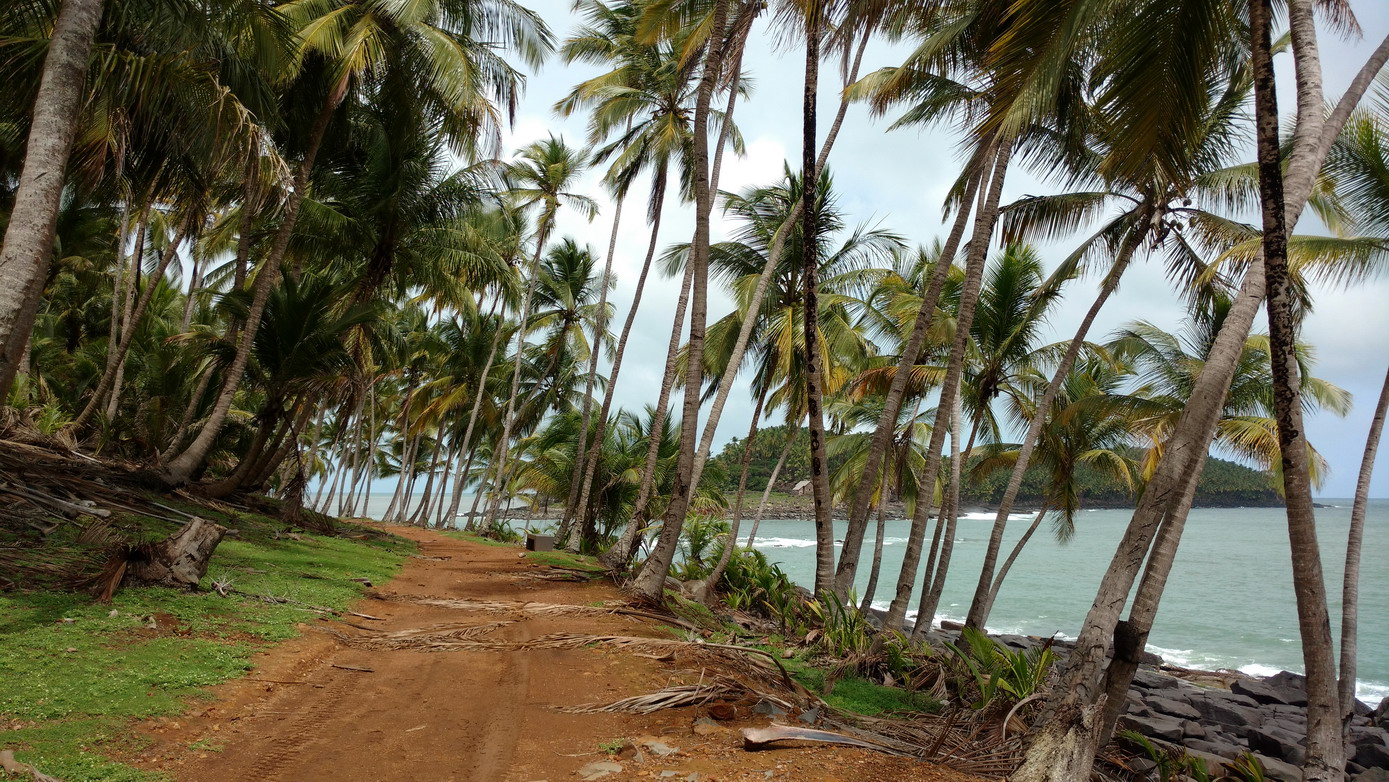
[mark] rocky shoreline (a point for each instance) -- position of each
(1219, 715)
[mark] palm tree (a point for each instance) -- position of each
(1063, 749)
(1091, 425)
(29, 232)
(543, 176)
(351, 45)
(1359, 163)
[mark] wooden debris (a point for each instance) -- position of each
(759, 738)
(10, 765)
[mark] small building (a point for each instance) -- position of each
(802, 488)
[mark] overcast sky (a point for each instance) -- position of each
(898, 179)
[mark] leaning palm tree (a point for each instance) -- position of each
(1092, 426)
(542, 177)
(1359, 164)
(348, 46)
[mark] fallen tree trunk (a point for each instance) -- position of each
(179, 560)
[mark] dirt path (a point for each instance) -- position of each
(304, 714)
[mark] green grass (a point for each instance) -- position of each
(565, 559)
(72, 688)
(853, 693)
(473, 537)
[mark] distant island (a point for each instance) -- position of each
(1223, 484)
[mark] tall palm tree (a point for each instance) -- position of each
(1092, 425)
(542, 177)
(1359, 164)
(1063, 748)
(29, 233)
(420, 52)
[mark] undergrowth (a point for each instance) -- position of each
(78, 673)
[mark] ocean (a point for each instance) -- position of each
(1228, 603)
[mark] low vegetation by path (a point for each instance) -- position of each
(78, 673)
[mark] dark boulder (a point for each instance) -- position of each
(1235, 711)
(1173, 707)
(1193, 730)
(1155, 727)
(1373, 775)
(1277, 769)
(1372, 755)
(1285, 690)
(1276, 744)
(1151, 680)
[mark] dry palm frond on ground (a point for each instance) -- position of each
(436, 638)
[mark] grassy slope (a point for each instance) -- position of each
(77, 673)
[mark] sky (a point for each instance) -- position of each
(897, 180)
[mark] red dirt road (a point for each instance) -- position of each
(468, 714)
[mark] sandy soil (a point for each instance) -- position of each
(471, 715)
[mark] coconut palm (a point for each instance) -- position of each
(425, 53)
(542, 177)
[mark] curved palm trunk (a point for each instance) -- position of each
(421, 514)
(774, 256)
(28, 245)
(704, 590)
(1350, 588)
(1013, 555)
(650, 582)
(183, 466)
(872, 587)
(621, 552)
(1326, 754)
(503, 448)
(969, 298)
(933, 577)
(466, 450)
(771, 481)
(1065, 737)
(115, 356)
(984, 590)
(590, 466)
(600, 327)
(896, 394)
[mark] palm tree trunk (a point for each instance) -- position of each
(791, 431)
(479, 394)
(621, 552)
(1013, 555)
(1326, 754)
(1065, 736)
(872, 587)
(705, 589)
(115, 360)
(182, 467)
(896, 393)
(28, 246)
(1350, 587)
(814, 380)
(600, 327)
(650, 582)
(933, 579)
(590, 466)
(421, 513)
(503, 446)
(774, 256)
(969, 298)
(983, 592)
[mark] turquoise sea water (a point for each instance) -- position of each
(1228, 603)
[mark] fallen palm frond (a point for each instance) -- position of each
(434, 638)
(669, 698)
(612, 607)
(757, 738)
